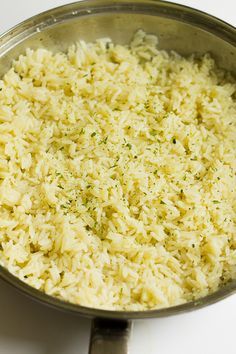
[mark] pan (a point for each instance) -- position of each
(179, 28)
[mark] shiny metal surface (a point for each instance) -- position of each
(178, 27)
(109, 337)
(43, 298)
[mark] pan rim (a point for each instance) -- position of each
(47, 18)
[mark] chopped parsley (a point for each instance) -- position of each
(104, 141)
(64, 206)
(153, 132)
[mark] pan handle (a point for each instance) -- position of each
(109, 336)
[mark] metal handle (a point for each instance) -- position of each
(109, 336)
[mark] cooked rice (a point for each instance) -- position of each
(118, 174)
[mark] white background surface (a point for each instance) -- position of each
(29, 328)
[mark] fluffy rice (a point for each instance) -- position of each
(118, 174)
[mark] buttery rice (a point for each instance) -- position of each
(118, 174)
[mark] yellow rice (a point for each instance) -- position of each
(118, 174)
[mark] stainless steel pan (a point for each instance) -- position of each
(179, 28)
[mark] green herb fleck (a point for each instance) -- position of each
(93, 134)
(153, 132)
(174, 141)
(104, 141)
